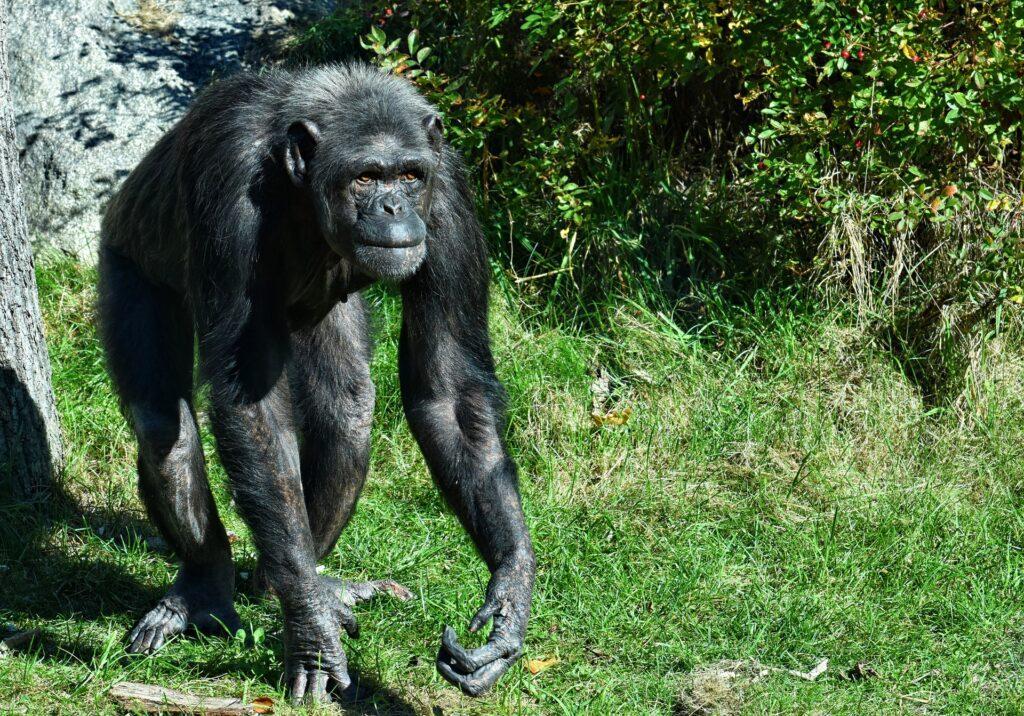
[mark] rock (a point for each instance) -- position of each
(96, 82)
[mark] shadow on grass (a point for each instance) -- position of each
(52, 569)
(44, 580)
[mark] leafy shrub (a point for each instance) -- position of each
(632, 147)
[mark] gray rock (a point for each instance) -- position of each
(96, 82)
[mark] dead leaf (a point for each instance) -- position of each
(536, 666)
(859, 672)
(263, 705)
(600, 390)
(612, 417)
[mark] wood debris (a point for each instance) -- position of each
(156, 699)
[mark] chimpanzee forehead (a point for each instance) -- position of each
(386, 153)
(381, 152)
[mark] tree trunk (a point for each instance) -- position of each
(30, 445)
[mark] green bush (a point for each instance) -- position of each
(633, 147)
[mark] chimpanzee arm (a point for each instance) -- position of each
(454, 404)
(243, 345)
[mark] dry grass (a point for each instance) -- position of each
(935, 291)
(152, 17)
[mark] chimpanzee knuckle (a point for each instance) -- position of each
(473, 687)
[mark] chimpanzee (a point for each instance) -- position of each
(249, 230)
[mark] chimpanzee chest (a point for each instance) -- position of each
(312, 299)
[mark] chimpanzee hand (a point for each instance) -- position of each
(508, 603)
(315, 659)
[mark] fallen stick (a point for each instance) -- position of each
(156, 699)
(811, 675)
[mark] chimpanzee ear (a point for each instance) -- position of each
(302, 140)
(435, 131)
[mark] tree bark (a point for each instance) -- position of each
(30, 446)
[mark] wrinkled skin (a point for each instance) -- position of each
(507, 604)
(316, 662)
(248, 232)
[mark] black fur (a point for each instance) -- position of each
(249, 229)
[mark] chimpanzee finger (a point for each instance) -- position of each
(155, 616)
(136, 646)
(348, 620)
(144, 633)
(317, 688)
(488, 610)
(151, 635)
(298, 689)
(136, 630)
(479, 681)
(135, 638)
(341, 678)
(467, 661)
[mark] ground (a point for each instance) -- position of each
(778, 494)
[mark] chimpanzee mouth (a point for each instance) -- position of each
(389, 263)
(391, 240)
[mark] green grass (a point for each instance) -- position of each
(780, 494)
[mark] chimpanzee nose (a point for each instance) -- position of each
(392, 206)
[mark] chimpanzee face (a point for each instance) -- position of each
(372, 196)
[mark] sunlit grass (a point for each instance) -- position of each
(779, 494)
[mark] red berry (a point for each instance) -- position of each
(860, 54)
(916, 58)
(858, 144)
(762, 166)
(923, 14)
(845, 54)
(643, 97)
(827, 45)
(389, 12)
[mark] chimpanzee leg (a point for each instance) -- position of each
(148, 336)
(331, 385)
(334, 397)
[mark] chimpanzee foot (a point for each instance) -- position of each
(351, 593)
(201, 602)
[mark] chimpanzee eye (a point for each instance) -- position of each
(364, 179)
(410, 176)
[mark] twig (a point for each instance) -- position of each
(156, 699)
(813, 674)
